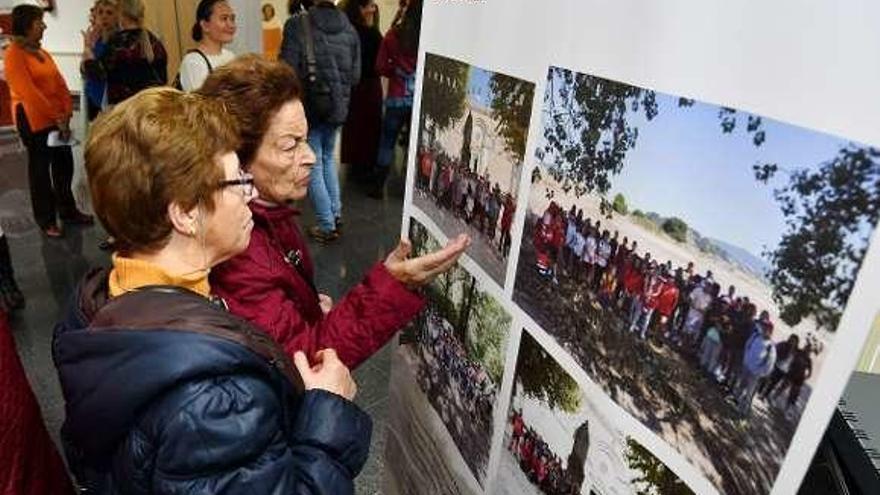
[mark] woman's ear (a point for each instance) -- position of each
(183, 221)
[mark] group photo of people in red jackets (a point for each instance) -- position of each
(473, 126)
(456, 350)
(664, 313)
(697, 261)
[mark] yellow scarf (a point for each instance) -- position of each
(129, 274)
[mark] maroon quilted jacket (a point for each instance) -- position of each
(271, 284)
(29, 461)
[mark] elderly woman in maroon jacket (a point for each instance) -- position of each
(271, 283)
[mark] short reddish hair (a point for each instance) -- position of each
(253, 90)
(155, 148)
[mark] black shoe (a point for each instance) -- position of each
(339, 224)
(323, 236)
(78, 218)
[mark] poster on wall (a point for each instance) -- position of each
(672, 270)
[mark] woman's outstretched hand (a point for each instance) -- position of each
(415, 272)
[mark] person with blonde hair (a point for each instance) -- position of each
(103, 22)
(134, 60)
(165, 391)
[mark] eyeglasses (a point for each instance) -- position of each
(245, 182)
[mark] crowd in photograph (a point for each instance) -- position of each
(540, 464)
(722, 332)
(469, 196)
(473, 382)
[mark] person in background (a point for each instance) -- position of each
(337, 69)
(272, 282)
(360, 135)
(165, 391)
(41, 106)
(29, 461)
(214, 27)
(271, 32)
(103, 22)
(758, 361)
(396, 61)
(11, 298)
(135, 59)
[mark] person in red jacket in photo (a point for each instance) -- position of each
(271, 283)
(667, 302)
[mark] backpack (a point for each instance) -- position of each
(318, 95)
(176, 84)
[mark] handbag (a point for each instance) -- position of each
(319, 97)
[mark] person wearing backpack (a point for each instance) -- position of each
(214, 27)
(323, 48)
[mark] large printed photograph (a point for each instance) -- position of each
(558, 442)
(450, 362)
(473, 127)
(695, 260)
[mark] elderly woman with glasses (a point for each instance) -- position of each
(271, 283)
(167, 392)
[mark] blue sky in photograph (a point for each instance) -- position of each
(683, 165)
(478, 86)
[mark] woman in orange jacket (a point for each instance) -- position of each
(41, 105)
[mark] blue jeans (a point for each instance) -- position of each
(393, 121)
(324, 181)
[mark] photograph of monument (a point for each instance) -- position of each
(473, 127)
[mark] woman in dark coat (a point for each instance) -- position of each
(165, 391)
(272, 282)
(360, 135)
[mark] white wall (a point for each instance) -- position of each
(249, 18)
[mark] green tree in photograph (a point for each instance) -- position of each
(676, 228)
(543, 379)
(511, 108)
(829, 212)
(619, 204)
(653, 478)
(587, 132)
(444, 88)
(488, 333)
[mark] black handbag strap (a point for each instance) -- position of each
(205, 58)
(309, 38)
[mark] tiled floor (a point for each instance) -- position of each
(47, 271)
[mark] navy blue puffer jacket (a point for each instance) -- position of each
(337, 56)
(167, 393)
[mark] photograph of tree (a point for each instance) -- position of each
(695, 260)
(455, 350)
(472, 140)
(557, 442)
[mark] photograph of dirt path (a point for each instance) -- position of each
(695, 260)
(557, 441)
(473, 126)
(454, 352)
